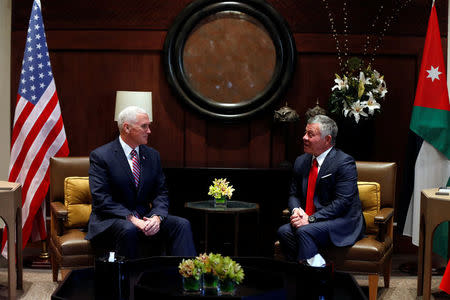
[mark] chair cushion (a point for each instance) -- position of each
(74, 243)
(77, 199)
(366, 249)
(369, 194)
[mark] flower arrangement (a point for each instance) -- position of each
(228, 269)
(214, 267)
(191, 268)
(358, 92)
(221, 188)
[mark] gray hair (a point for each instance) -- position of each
(326, 125)
(129, 115)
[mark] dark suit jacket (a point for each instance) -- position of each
(336, 196)
(114, 194)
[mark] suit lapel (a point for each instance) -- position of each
(326, 164)
(123, 161)
(144, 162)
(307, 162)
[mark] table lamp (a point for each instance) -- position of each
(133, 98)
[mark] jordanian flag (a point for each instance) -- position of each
(430, 124)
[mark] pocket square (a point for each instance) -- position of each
(325, 176)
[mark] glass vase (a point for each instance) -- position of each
(192, 285)
(227, 287)
(210, 284)
(220, 202)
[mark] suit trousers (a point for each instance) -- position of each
(123, 237)
(302, 243)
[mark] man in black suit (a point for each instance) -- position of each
(323, 199)
(129, 196)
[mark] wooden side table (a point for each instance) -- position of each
(11, 213)
(233, 207)
(434, 209)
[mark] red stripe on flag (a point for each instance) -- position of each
(40, 155)
(40, 194)
(18, 124)
(35, 130)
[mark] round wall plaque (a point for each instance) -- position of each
(229, 60)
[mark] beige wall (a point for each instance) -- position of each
(5, 58)
(5, 84)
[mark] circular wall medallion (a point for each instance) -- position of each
(229, 60)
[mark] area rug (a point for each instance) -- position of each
(37, 284)
(401, 288)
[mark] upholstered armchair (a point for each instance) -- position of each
(371, 255)
(70, 207)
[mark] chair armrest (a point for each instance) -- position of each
(285, 215)
(384, 215)
(59, 210)
(58, 214)
(385, 221)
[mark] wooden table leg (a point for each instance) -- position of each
(19, 254)
(206, 232)
(236, 233)
(12, 285)
(420, 256)
(427, 261)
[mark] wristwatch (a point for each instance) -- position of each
(312, 219)
(161, 218)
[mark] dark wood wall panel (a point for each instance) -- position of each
(89, 73)
(195, 141)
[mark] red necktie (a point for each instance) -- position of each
(136, 167)
(310, 209)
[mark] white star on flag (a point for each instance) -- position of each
(433, 73)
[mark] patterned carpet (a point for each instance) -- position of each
(402, 288)
(38, 284)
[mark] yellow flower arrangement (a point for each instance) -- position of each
(221, 188)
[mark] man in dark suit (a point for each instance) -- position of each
(323, 199)
(129, 196)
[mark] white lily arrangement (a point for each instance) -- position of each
(358, 93)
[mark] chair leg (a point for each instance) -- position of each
(373, 286)
(387, 273)
(54, 268)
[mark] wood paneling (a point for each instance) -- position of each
(90, 65)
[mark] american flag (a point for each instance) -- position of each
(38, 131)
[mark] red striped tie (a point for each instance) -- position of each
(310, 209)
(136, 167)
